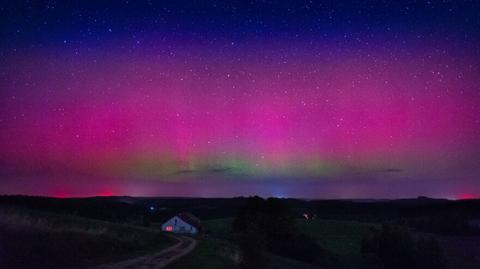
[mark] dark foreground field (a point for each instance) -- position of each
(35, 239)
(218, 250)
(343, 239)
(38, 232)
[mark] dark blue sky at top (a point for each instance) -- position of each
(40, 23)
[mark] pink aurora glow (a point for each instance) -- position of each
(116, 123)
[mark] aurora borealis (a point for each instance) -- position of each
(223, 98)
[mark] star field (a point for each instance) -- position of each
(309, 99)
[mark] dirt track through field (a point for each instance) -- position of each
(159, 259)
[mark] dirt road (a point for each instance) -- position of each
(159, 259)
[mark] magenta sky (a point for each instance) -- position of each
(344, 116)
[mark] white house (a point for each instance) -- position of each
(182, 223)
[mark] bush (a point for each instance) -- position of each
(253, 246)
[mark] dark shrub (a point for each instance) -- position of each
(253, 246)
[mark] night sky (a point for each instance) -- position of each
(327, 99)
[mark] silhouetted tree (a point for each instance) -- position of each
(253, 247)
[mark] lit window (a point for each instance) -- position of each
(169, 228)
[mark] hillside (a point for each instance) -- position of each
(35, 239)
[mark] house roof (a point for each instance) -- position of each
(190, 219)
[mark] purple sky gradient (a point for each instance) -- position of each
(387, 115)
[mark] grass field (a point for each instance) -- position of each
(210, 253)
(217, 250)
(279, 262)
(35, 239)
(342, 238)
(219, 228)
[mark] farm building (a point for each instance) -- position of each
(182, 223)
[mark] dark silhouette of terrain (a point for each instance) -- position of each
(265, 231)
